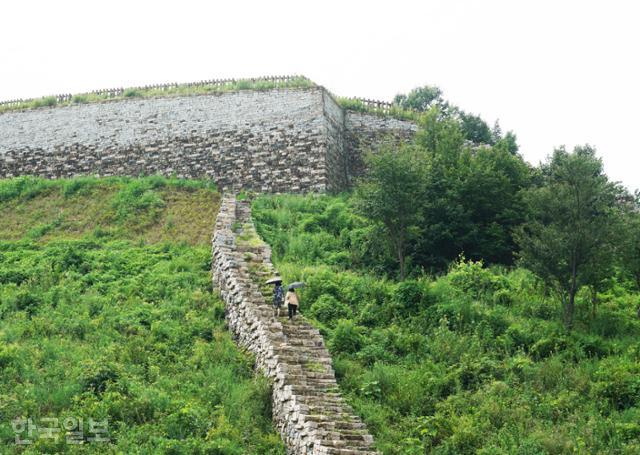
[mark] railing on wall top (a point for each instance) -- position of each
(118, 92)
(382, 106)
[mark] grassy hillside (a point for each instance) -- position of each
(106, 312)
(474, 361)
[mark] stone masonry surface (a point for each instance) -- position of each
(279, 140)
(308, 410)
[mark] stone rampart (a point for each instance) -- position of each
(277, 140)
(308, 410)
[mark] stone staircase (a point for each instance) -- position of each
(308, 410)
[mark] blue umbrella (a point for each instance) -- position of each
(296, 285)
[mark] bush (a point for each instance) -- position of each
(44, 102)
(96, 377)
(112, 327)
(8, 355)
(135, 198)
(327, 309)
(475, 280)
(23, 187)
(132, 93)
(410, 295)
(618, 383)
(346, 338)
(475, 361)
(502, 297)
(80, 99)
(547, 346)
(78, 185)
(27, 301)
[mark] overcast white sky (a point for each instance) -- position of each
(555, 72)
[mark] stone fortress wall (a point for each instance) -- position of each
(308, 410)
(277, 140)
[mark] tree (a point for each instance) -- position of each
(508, 142)
(475, 129)
(421, 99)
(429, 98)
(472, 196)
(572, 216)
(630, 245)
(390, 195)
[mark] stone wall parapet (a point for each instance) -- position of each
(308, 410)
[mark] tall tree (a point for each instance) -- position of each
(421, 99)
(472, 196)
(630, 244)
(571, 220)
(475, 129)
(390, 195)
(428, 98)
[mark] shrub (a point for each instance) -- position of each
(136, 198)
(132, 93)
(27, 301)
(519, 336)
(591, 345)
(410, 295)
(96, 377)
(346, 338)
(8, 355)
(472, 278)
(78, 185)
(502, 297)
(542, 308)
(547, 346)
(44, 102)
(327, 309)
(23, 187)
(618, 383)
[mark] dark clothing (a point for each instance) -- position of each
(292, 310)
(278, 296)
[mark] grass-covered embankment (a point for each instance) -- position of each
(473, 361)
(106, 312)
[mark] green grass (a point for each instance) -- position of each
(177, 90)
(146, 209)
(473, 361)
(352, 104)
(107, 312)
(357, 105)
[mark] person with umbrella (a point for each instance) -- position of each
(292, 299)
(278, 295)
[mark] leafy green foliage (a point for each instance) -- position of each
(420, 99)
(630, 244)
(145, 209)
(425, 204)
(473, 361)
(105, 326)
(569, 237)
(472, 198)
(388, 196)
(473, 127)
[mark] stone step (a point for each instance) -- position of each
(339, 451)
(312, 375)
(342, 444)
(309, 410)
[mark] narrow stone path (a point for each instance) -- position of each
(308, 410)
